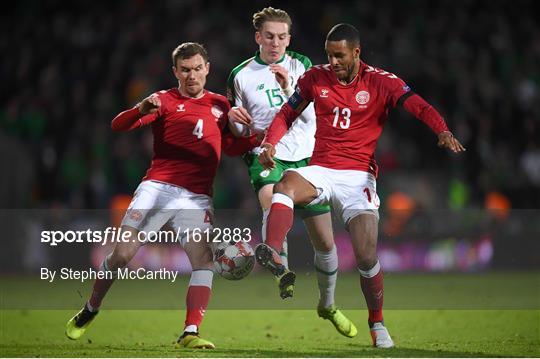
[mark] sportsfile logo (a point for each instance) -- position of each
(116, 235)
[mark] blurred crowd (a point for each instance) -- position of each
(69, 67)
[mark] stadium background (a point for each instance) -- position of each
(70, 67)
(458, 235)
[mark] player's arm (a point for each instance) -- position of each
(418, 107)
(282, 75)
(282, 78)
(279, 126)
(236, 146)
(239, 119)
(232, 145)
(142, 114)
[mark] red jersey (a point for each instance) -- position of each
(187, 139)
(350, 118)
(188, 134)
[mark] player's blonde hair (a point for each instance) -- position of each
(271, 14)
(188, 50)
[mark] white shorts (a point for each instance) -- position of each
(349, 192)
(156, 204)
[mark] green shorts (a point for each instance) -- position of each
(260, 177)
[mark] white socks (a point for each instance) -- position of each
(201, 277)
(326, 266)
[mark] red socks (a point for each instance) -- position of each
(101, 287)
(280, 221)
(196, 302)
(371, 283)
(198, 296)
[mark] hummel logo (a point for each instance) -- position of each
(181, 108)
(324, 93)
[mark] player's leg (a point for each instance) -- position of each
(319, 227)
(265, 199)
(138, 217)
(363, 229)
(198, 294)
(263, 181)
(355, 199)
(290, 190)
(121, 255)
(196, 214)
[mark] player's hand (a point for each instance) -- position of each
(240, 115)
(261, 136)
(282, 75)
(447, 140)
(149, 105)
(266, 158)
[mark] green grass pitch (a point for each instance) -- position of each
(481, 315)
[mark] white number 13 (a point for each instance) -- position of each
(346, 122)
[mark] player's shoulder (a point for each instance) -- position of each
(378, 75)
(317, 71)
(238, 69)
(301, 59)
(217, 99)
(168, 96)
(169, 93)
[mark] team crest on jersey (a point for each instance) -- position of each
(324, 92)
(362, 97)
(217, 111)
(264, 173)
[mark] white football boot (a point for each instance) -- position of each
(380, 336)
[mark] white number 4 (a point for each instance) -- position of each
(198, 130)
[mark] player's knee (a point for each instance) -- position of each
(120, 258)
(284, 187)
(326, 246)
(203, 262)
(366, 262)
(366, 255)
(322, 240)
(200, 257)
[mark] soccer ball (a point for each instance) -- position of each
(234, 261)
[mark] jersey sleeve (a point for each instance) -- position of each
(234, 93)
(303, 91)
(422, 110)
(393, 88)
(224, 119)
(148, 119)
(132, 119)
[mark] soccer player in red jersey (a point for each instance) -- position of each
(351, 101)
(189, 125)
